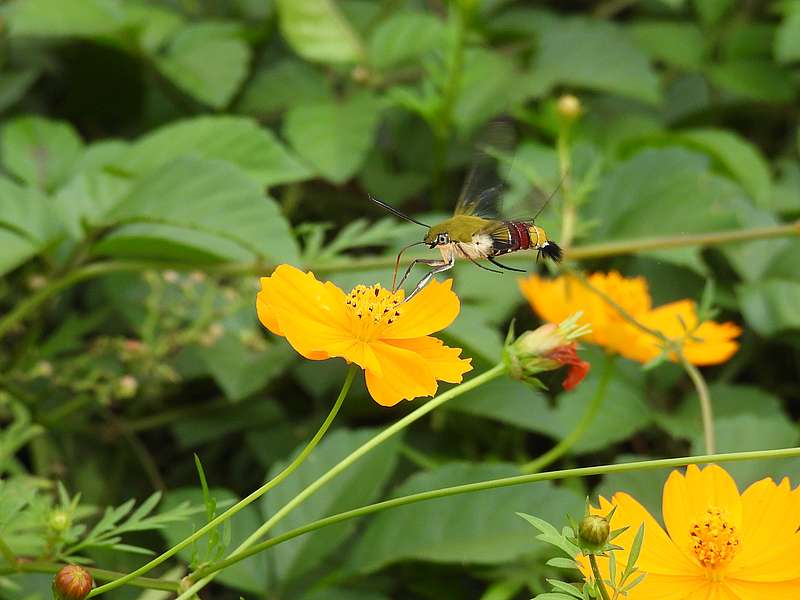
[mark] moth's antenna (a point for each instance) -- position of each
(397, 262)
(397, 213)
(550, 197)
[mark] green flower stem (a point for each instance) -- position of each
(369, 445)
(598, 578)
(704, 398)
(590, 251)
(586, 420)
(97, 575)
(646, 465)
(243, 502)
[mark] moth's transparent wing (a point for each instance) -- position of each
(485, 185)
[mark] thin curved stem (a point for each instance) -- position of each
(369, 445)
(598, 578)
(583, 425)
(480, 486)
(706, 409)
(298, 460)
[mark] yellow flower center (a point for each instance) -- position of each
(714, 539)
(374, 305)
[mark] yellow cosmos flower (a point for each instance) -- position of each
(718, 544)
(371, 326)
(705, 343)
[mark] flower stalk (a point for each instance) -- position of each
(598, 578)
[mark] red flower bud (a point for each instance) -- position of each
(72, 583)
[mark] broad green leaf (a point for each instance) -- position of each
(479, 527)
(488, 88)
(645, 486)
(678, 44)
(358, 485)
(65, 17)
(251, 574)
(208, 62)
(754, 79)
(750, 432)
(787, 39)
(237, 140)
(404, 37)
(334, 137)
(282, 85)
(39, 151)
(728, 401)
(211, 197)
(473, 332)
(317, 31)
(596, 55)
(14, 85)
(712, 11)
(154, 25)
(207, 426)
(770, 306)
(87, 198)
(27, 224)
(340, 593)
(739, 157)
(748, 39)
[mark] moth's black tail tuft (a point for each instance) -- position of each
(552, 251)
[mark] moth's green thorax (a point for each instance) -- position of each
(460, 228)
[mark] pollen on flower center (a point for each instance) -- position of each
(374, 303)
(714, 539)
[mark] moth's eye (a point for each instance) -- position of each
(442, 238)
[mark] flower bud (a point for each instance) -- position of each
(127, 386)
(72, 583)
(59, 520)
(548, 348)
(569, 107)
(593, 532)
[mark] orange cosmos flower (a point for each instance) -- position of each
(718, 544)
(370, 326)
(704, 343)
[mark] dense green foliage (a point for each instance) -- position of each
(158, 157)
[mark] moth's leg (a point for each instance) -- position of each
(494, 262)
(439, 268)
(433, 262)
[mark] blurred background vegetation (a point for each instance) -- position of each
(158, 157)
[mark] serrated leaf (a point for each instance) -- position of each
(754, 79)
(65, 17)
(679, 44)
(318, 31)
(334, 137)
(281, 85)
(238, 140)
(212, 197)
(39, 151)
(770, 306)
(404, 37)
(207, 62)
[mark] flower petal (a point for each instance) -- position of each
(751, 590)
(443, 361)
(687, 498)
(770, 543)
(433, 309)
(405, 375)
(309, 313)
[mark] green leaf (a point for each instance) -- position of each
(404, 37)
(358, 485)
(237, 140)
(207, 61)
(87, 198)
(27, 224)
(484, 74)
(676, 43)
(212, 197)
(596, 55)
(751, 432)
(65, 17)
(284, 84)
(739, 157)
(481, 527)
(40, 151)
(711, 11)
(770, 306)
(754, 79)
(787, 38)
(318, 31)
(334, 137)
(251, 574)
(339, 593)
(14, 85)
(213, 425)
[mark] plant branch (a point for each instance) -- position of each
(298, 460)
(705, 403)
(598, 578)
(646, 465)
